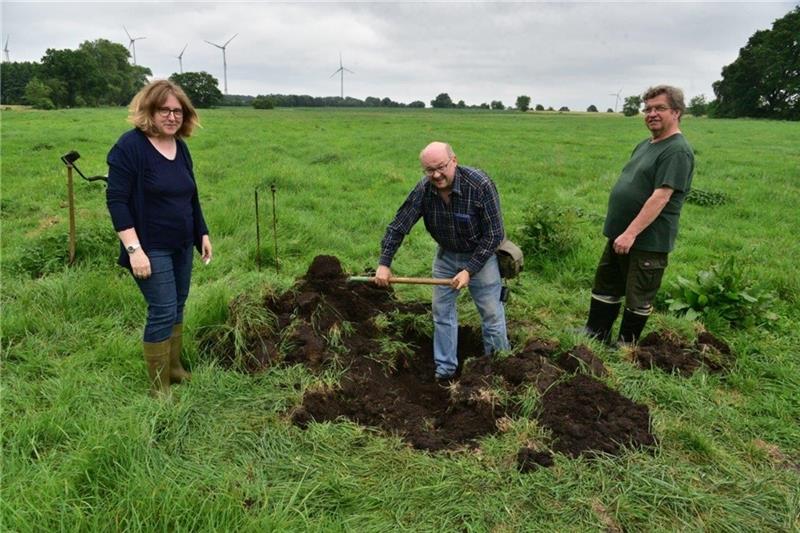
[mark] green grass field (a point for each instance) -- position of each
(85, 448)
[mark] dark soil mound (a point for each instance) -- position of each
(321, 317)
(385, 349)
(716, 353)
(325, 267)
(529, 460)
(587, 417)
(581, 357)
(670, 353)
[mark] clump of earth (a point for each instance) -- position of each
(667, 351)
(529, 459)
(595, 423)
(384, 349)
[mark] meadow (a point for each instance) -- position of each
(85, 448)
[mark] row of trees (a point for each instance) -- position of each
(97, 73)
(697, 106)
(763, 82)
(523, 104)
(268, 101)
(443, 101)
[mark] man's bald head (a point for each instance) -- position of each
(436, 150)
(439, 162)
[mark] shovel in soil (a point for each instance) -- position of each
(412, 281)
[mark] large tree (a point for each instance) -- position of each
(97, 73)
(698, 105)
(201, 87)
(72, 76)
(764, 81)
(523, 102)
(119, 80)
(631, 106)
(443, 100)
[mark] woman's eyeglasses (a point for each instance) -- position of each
(165, 111)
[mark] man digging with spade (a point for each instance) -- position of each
(642, 220)
(461, 210)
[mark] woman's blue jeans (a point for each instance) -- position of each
(166, 291)
(485, 287)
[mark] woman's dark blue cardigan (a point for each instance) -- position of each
(125, 193)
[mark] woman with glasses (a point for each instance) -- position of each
(154, 206)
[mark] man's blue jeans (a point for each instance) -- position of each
(166, 291)
(485, 287)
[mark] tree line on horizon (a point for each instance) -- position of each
(97, 73)
(763, 82)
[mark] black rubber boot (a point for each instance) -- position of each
(631, 328)
(601, 319)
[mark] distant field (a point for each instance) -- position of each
(85, 448)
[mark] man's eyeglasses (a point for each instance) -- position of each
(657, 109)
(165, 111)
(440, 169)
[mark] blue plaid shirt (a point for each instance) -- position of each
(471, 222)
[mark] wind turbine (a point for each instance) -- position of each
(132, 43)
(224, 61)
(616, 102)
(180, 57)
(5, 49)
(341, 70)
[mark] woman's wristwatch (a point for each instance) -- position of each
(132, 247)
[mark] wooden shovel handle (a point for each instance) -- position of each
(412, 281)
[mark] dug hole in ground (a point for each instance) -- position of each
(388, 384)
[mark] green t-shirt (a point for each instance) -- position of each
(669, 163)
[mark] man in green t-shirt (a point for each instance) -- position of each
(642, 220)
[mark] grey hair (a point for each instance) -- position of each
(674, 95)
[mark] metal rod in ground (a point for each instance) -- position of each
(258, 234)
(71, 200)
(274, 227)
(412, 281)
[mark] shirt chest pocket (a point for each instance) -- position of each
(467, 225)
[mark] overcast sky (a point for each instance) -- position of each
(559, 53)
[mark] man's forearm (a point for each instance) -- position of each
(649, 212)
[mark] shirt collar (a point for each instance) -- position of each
(457, 181)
